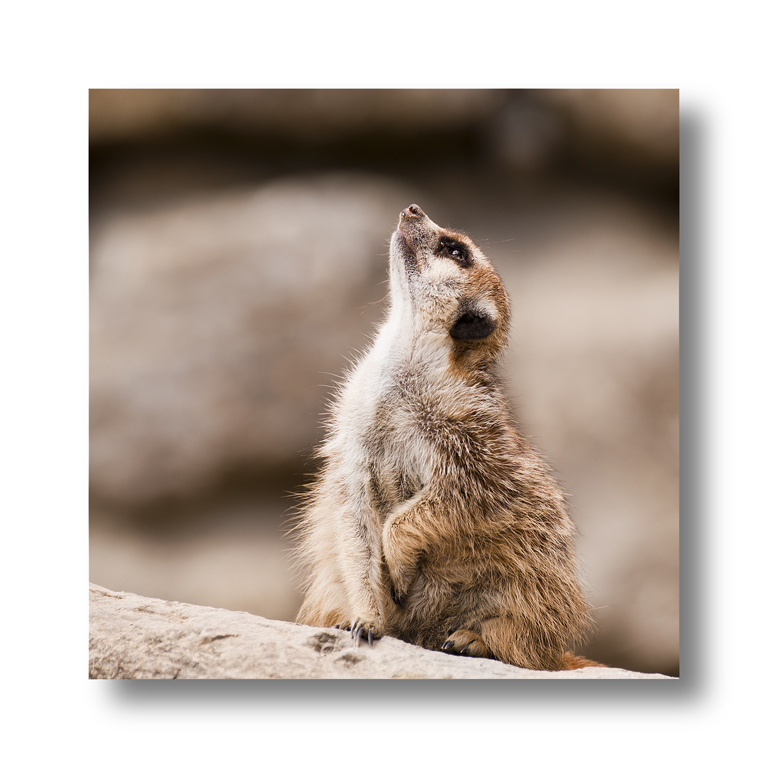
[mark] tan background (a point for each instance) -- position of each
(238, 261)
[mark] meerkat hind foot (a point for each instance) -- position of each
(463, 642)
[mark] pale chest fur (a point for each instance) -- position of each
(379, 441)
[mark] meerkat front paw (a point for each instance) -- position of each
(343, 625)
(398, 598)
(402, 563)
(360, 629)
(463, 642)
(401, 584)
(364, 629)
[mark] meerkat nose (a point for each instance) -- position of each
(411, 211)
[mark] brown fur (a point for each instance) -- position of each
(432, 519)
(579, 662)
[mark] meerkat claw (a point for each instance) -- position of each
(465, 643)
(364, 629)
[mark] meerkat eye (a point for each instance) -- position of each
(456, 252)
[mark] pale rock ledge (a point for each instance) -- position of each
(142, 637)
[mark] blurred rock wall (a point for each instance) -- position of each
(211, 317)
(238, 262)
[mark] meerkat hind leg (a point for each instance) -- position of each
(496, 640)
(524, 646)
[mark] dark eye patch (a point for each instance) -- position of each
(456, 251)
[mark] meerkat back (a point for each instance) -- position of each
(432, 519)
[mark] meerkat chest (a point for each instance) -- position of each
(395, 468)
(384, 447)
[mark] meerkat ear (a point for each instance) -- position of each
(473, 324)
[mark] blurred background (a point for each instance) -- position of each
(238, 254)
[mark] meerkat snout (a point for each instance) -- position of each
(411, 210)
(415, 229)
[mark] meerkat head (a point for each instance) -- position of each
(449, 290)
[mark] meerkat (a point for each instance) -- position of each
(432, 519)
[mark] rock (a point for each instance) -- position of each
(140, 638)
(215, 324)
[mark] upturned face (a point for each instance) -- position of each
(449, 288)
